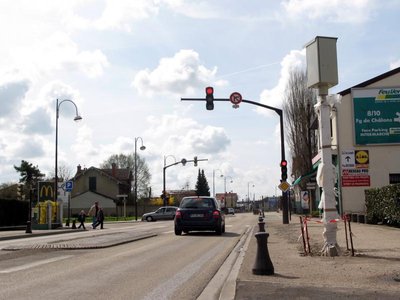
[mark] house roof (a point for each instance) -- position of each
(121, 175)
(371, 81)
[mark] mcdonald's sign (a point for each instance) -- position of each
(46, 190)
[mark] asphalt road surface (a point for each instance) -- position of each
(164, 266)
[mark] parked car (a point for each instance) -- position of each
(198, 214)
(163, 213)
(231, 210)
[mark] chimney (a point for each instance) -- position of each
(113, 170)
(79, 170)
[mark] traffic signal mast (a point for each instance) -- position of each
(236, 98)
(283, 170)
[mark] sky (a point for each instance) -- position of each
(126, 64)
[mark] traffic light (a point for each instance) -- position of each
(183, 161)
(210, 98)
(284, 170)
(195, 161)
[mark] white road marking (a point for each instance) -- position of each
(34, 264)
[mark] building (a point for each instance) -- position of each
(368, 138)
(227, 199)
(107, 186)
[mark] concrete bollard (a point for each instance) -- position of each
(73, 224)
(263, 264)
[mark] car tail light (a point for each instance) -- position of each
(216, 214)
(178, 214)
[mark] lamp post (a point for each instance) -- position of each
(141, 148)
(183, 161)
(248, 192)
(77, 118)
(225, 188)
(214, 180)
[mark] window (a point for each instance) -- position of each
(394, 178)
(92, 184)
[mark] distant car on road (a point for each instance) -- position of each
(163, 213)
(231, 210)
(199, 213)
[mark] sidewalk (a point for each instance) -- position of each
(373, 273)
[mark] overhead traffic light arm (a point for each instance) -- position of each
(285, 204)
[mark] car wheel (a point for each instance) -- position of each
(178, 231)
(219, 231)
(149, 219)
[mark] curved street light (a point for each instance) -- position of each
(214, 179)
(141, 148)
(77, 118)
(225, 187)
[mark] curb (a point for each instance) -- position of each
(69, 246)
(223, 283)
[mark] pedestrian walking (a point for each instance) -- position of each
(100, 219)
(81, 219)
(93, 211)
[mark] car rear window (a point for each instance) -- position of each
(197, 203)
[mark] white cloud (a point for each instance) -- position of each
(120, 14)
(340, 11)
(180, 74)
(12, 93)
(274, 97)
(59, 52)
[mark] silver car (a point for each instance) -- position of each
(163, 213)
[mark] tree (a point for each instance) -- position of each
(202, 188)
(123, 161)
(30, 174)
(299, 114)
(64, 172)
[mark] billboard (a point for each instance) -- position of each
(376, 115)
(46, 190)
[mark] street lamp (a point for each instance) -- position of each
(141, 148)
(214, 179)
(248, 191)
(225, 186)
(183, 161)
(77, 118)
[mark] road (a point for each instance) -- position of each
(161, 267)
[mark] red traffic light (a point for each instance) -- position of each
(209, 90)
(283, 163)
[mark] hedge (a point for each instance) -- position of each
(13, 212)
(383, 205)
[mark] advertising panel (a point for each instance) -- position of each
(376, 115)
(355, 168)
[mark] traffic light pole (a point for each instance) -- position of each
(285, 200)
(183, 162)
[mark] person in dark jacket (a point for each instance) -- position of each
(81, 219)
(100, 219)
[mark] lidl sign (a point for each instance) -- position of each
(376, 115)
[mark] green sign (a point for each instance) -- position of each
(376, 115)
